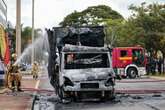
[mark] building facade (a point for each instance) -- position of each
(3, 13)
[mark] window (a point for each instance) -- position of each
(86, 60)
(138, 57)
(136, 52)
(123, 53)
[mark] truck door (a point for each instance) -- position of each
(138, 57)
(125, 57)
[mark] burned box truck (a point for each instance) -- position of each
(79, 64)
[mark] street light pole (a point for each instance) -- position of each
(32, 57)
(18, 28)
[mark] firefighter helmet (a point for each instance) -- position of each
(14, 55)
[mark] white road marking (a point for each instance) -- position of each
(37, 84)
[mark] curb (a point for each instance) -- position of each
(34, 95)
(33, 101)
(30, 105)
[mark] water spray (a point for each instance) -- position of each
(41, 48)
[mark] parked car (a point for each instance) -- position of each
(23, 67)
(2, 73)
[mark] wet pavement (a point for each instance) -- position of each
(15, 101)
(18, 100)
(122, 102)
(153, 101)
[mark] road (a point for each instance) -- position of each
(49, 101)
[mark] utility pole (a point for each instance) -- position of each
(32, 57)
(18, 28)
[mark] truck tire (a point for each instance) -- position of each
(112, 94)
(109, 95)
(63, 98)
(60, 93)
(132, 73)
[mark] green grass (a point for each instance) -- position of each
(157, 74)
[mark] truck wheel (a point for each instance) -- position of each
(132, 73)
(109, 95)
(60, 93)
(76, 98)
(112, 94)
(63, 98)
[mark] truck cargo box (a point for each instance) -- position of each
(86, 36)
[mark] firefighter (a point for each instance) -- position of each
(35, 70)
(140, 58)
(13, 76)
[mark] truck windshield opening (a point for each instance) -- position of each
(86, 60)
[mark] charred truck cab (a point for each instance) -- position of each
(81, 71)
(86, 69)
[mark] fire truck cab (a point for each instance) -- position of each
(129, 61)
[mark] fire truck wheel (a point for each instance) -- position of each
(132, 73)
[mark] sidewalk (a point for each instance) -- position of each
(158, 77)
(18, 100)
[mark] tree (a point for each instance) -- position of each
(26, 36)
(95, 15)
(112, 31)
(151, 19)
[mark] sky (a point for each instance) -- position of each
(49, 13)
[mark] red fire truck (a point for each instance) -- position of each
(129, 61)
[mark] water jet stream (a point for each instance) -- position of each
(41, 50)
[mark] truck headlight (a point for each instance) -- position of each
(68, 82)
(110, 81)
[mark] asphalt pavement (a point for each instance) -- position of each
(153, 101)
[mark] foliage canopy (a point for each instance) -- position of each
(94, 15)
